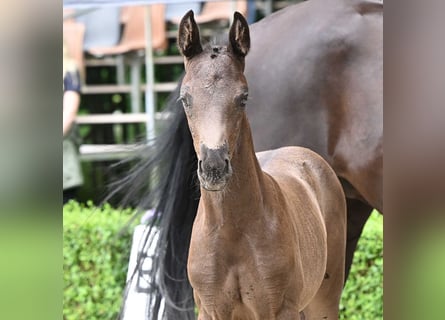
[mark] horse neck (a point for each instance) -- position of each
(243, 195)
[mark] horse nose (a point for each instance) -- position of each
(214, 163)
(214, 168)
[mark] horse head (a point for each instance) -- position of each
(214, 93)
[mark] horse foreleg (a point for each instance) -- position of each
(358, 214)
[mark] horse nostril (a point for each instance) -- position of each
(227, 165)
(200, 166)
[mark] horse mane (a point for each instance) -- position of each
(169, 161)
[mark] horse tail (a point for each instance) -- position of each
(169, 164)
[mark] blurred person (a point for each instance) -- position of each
(251, 11)
(72, 172)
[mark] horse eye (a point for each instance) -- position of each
(184, 101)
(243, 99)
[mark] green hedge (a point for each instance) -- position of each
(96, 258)
(362, 297)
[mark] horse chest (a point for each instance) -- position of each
(239, 276)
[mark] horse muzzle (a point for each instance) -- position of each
(214, 168)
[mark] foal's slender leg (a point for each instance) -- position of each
(358, 214)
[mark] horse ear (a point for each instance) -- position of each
(239, 35)
(189, 42)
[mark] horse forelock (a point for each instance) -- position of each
(214, 65)
(218, 47)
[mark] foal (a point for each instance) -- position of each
(268, 241)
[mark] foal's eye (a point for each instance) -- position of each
(185, 101)
(242, 99)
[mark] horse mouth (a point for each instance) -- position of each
(212, 184)
(214, 188)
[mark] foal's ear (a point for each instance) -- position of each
(239, 35)
(189, 42)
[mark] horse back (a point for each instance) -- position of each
(302, 169)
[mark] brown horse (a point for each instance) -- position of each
(268, 241)
(315, 80)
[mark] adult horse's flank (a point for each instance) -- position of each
(315, 80)
(265, 245)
